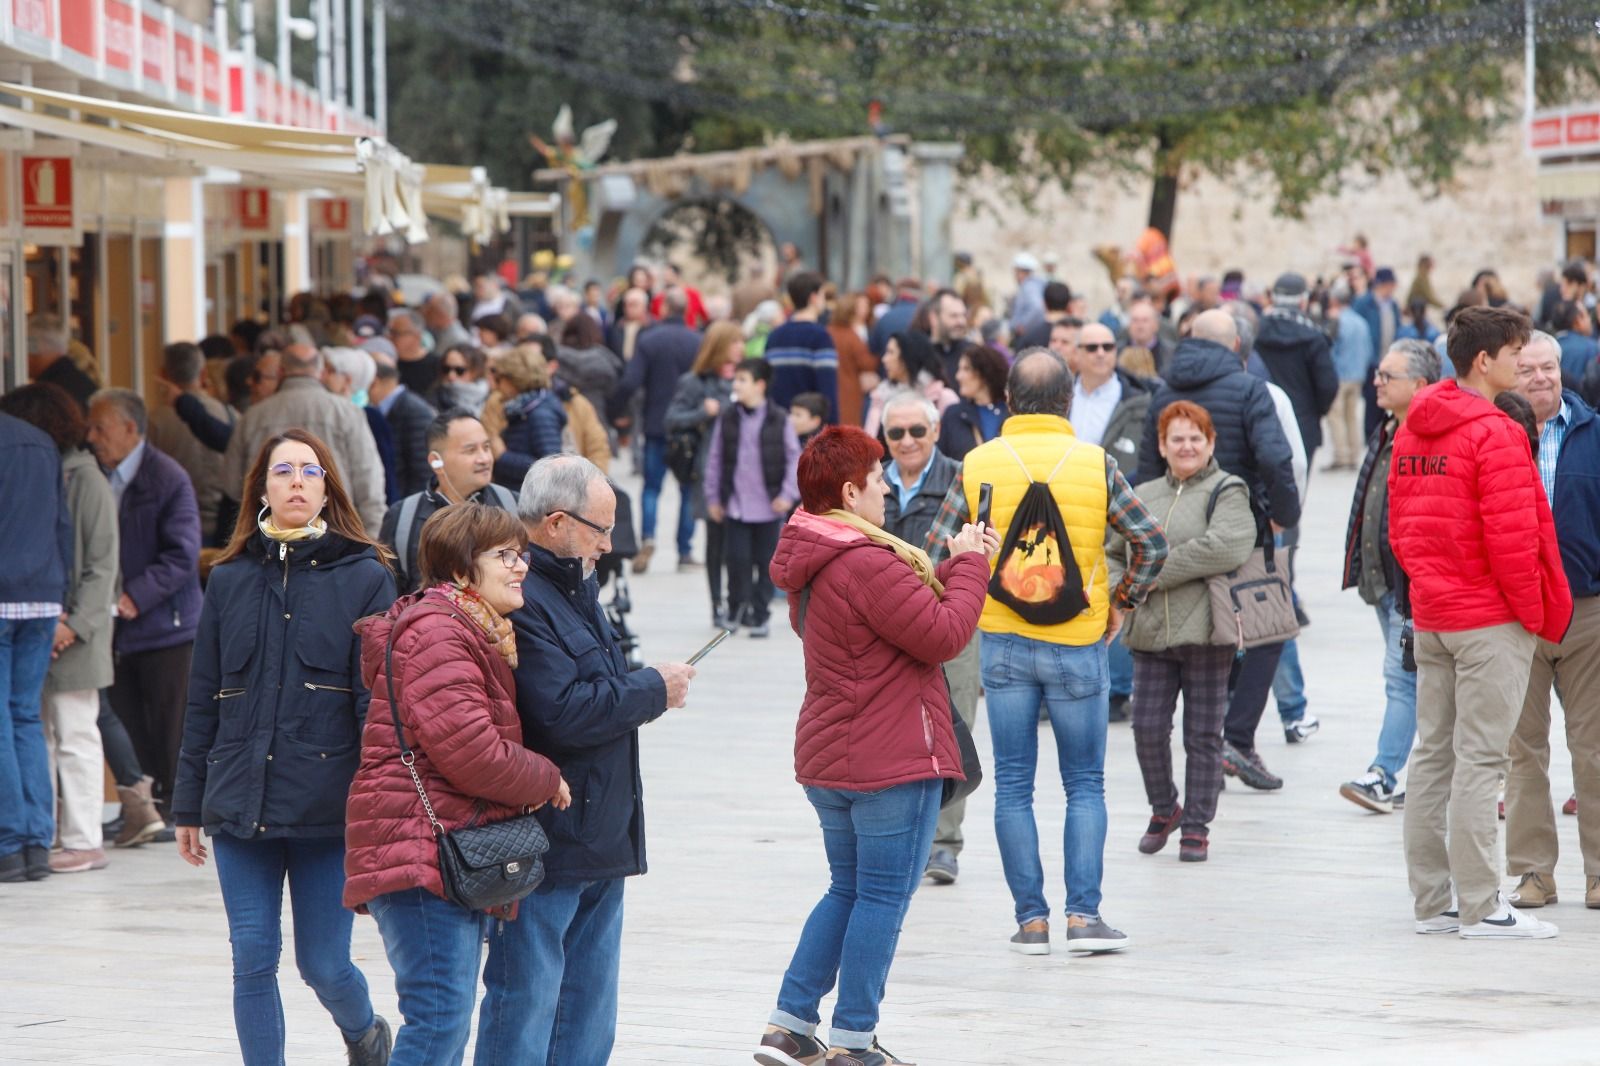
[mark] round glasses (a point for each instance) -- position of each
(310, 471)
(509, 557)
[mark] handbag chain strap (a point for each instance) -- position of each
(407, 757)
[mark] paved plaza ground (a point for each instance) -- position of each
(1292, 944)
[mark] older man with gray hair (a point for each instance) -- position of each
(919, 475)
(582, 707)
(1569, 456)
(302, 401)
(1370, 569)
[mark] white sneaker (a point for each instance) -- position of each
(1444, 922)
(1508, 923)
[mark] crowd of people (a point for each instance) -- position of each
(330, 594)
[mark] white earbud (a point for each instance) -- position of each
(436, 462)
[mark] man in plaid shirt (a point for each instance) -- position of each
(1061, 668)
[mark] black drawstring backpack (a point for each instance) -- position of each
(1035, 573)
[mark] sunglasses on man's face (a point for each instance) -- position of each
(917, 432)
(1104, 346)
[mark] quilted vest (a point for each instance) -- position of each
(1079, 488)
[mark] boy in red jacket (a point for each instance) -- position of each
(1469, 522)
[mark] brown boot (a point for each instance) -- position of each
(1534, 890)
(140, 821)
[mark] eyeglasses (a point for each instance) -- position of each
(509, 557)
(453, 370)
(310, 471)
(1106, 346)
(604, 531)
(917, 432)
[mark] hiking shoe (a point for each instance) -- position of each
(73, 861)
(1160, 828)
(1118, 710)
(1249, 769)
(876, 1055)
(785, 1047)
(1301, 729)
(1093, 934)
(1508, 923)
(373, 1047)
(1591, 898)
(1571, 806)
(1369, 791)
(1192, 848)
(1444, 922)
(141, 822)
(942, 867)
(1400, 800)
(1533, 891)
(641, 558)
(1031, 938)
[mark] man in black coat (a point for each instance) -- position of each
(1299, 358)
(581, 708)
(409, 416)
(49, 363)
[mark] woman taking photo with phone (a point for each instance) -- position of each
(270, 738)
(452, 652)
(875, 740)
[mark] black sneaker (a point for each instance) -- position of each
(876, 1055)
(36, 862)
(373, 1047)
(1369, 791)
(1249, 769)
(1300, 729)
(785, 1047)
(1119, 709)
(13, 868)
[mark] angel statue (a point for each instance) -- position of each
(575, 156)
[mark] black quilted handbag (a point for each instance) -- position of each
(481, 866)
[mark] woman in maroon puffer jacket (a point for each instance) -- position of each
(874, 740)
(453, 654)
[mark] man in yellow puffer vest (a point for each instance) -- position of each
(1060, 667)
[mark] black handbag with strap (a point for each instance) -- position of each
(481, 867)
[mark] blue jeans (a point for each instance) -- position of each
(27, 793)
(1071, 682)
(1400, 712)
(551, 980)
(1289, 685)
(252, 873)
(655, 478)
(1120, 660)
(434, 948)
(877, 846)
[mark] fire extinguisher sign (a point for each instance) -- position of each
(47, 193)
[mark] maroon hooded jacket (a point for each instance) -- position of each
(876, 710)
(458, 707)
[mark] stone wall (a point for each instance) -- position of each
(1489, 218)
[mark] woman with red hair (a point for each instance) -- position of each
(874, 741)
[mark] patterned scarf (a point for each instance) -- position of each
(496, 628)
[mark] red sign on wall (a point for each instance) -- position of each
(335, 216)
(183, 63)
(211, 75)
(77, 25)
(119, 35)
(33, 16)
(1583, 128)
(154, 57)
(255, 209)
(47, 192)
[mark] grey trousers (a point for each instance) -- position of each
(963, 674)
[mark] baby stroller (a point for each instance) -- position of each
(613, 571)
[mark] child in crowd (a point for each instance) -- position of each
(750, 485)
(807, 413)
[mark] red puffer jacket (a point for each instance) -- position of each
(458, 706)
(1468, 519)
(876, 711)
